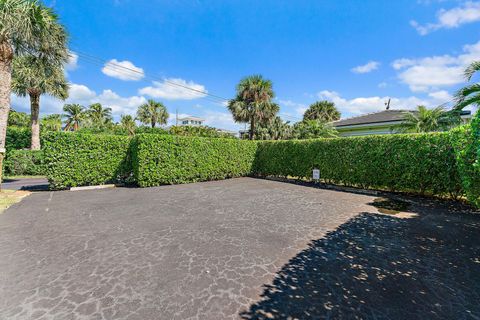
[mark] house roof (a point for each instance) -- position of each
(191, 118)
(377, 117)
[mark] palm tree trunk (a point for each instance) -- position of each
(153, 123)
(35, 124)
(6, 56)
(252, 128)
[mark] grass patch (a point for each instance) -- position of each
(9, 197)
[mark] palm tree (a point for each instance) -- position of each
(98, 115)
(273, 129)
(52, 122)
(324, 111)
(74, 115)
(128, 123)
(428, 120)
(35, 76)
(152, 113)
(26, 27)
(469, 95)
(253, 102)
(310, 129)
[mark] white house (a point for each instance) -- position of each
(190, 121)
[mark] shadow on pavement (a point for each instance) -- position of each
(380, 266)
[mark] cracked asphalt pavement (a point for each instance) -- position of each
(212, 250)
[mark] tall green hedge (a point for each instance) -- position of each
(74, 159)
(466, 142)
(409, 162)
(161, 159)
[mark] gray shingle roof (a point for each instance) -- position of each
(375, 117)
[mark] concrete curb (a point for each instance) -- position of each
(102, 186)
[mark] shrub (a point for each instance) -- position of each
(17, 138)
(75, 159)
(414, 162)
(24, 162)
(165, 159)
(466, 142)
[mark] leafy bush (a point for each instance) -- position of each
(24, 162)
(466, 142)
(198, 131)
(164, 159)
(17, 138)
(416, 162)
(75, 159)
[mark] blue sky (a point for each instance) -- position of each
(355, 53)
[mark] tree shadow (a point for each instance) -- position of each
(378, 266)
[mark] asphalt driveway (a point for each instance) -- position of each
(240, 248)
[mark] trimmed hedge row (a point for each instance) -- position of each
(411, 162)
(82, 159)
(161, 159)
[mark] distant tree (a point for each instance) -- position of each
(18, 119)
(469, 95)
(311, 129)
(273, 129)
(428, 120)
(128, 124)
(152, 113)
(98, 116)
(52, 122)
(324, 111)
(253, 102)
(74, 115)
(34, 76)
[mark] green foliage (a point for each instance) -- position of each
(414, 163)
(74, 116)
(24, 162)
(75, 159)
(466, 142)
(198, 131)
(18, 119)
(273, 129)
(470, 94)
(17, 138)
(253, 102)
(98, 117)
(310, 129)
(145, 129)
(152, 113)
(429, 120)
(128, 124)
(324, 111)
(51, 122)
(165, 159)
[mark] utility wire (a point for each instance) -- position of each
(129, 71)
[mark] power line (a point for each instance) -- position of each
(128, 71)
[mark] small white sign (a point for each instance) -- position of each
(316, 174)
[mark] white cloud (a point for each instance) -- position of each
(361, 105)
(431, 73)
(453, 18)
(382, 85)
(175, 89)
(299, 108)
(123, 70)
(366, 68)
(83, 95)
(221, 120)
(72, 62)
